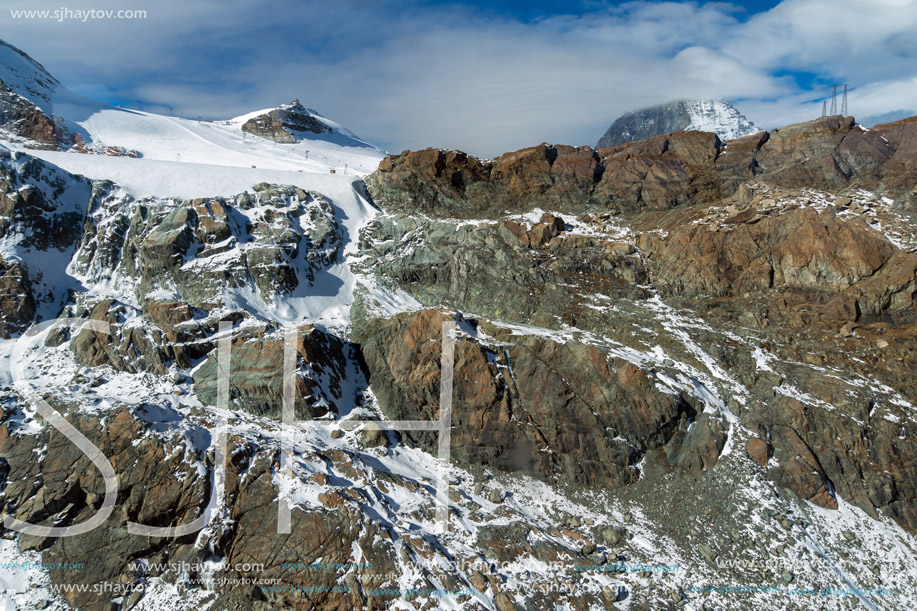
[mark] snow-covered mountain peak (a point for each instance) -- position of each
(30, 99)
(714, 115)
(720, 117)
(294, 122)
(640, 343)
(294, 107)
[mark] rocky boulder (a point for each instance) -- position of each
(660, 173)
(798, 469)
(697, 447)
(828, 153)
(453, 184)
(899, 171)
(128, 347)
(801, 249)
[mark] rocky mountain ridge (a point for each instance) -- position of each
(664, 338)
(725, 256)
(657, 174)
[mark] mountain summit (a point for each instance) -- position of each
(282, 123)
(292, 123)
(715, 116)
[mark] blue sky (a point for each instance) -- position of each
(485, 77)
(531, 10)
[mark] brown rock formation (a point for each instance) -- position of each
(659, 173)
(20, 117)
(550, 409)
(758, 450)
(283, 123)
(797, 250)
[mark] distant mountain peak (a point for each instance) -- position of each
(287, 123)
(712, 115)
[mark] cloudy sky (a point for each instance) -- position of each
(484, 76)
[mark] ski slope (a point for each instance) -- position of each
(223, 143)
(187, 180)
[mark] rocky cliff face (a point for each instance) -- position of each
(714, 116)
(672, 351)
(22, 119)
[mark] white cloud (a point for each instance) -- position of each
(407, 75)
(877, 98)
(848, 39)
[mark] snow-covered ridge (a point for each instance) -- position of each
(26, 77)
(182, 159)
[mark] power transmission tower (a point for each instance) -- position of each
(844, 102)
(824, 108)
(834, 102)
